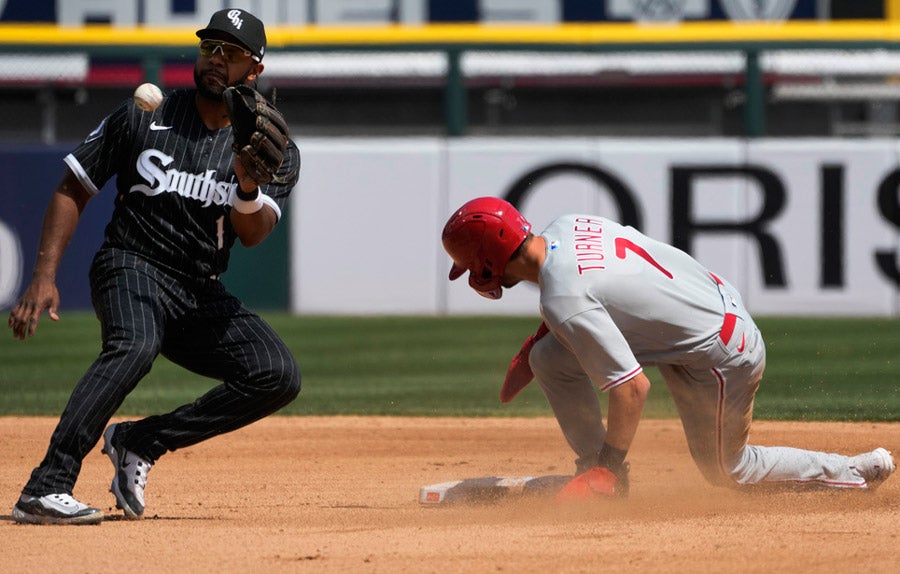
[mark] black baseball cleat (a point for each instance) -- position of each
(131, 475)
(59, 508)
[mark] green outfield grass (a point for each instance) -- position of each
(818, 369)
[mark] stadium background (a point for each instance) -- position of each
(448, 71)
(337, 493)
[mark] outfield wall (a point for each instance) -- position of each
(809, 227)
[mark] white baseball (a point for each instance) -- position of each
(148, 97)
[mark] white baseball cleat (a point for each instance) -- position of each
(875, 466)
(130, 479)
(60, 508)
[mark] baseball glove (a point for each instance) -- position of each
(260, 132)
(519, 373)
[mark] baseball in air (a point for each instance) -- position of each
(148, 97)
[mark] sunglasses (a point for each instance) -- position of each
(231, 53)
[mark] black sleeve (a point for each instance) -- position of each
(105, 149)
(288, 173)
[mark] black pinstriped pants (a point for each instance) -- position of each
(145, 311)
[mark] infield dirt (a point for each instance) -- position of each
(339, 494)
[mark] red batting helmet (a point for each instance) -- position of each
(480, 238)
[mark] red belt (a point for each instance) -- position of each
(727, 327)
(730, 319)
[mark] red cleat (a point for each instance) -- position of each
(597, 481)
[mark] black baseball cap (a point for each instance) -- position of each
(242, 25)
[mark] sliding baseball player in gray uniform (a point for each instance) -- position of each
(182, 199)
(613, 301)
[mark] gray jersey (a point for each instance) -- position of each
(175, 184)
(615, 300)
(619, 299)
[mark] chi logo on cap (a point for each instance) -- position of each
(235, 17)
(246, 29)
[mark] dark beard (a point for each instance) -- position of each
(205, 91)
(217, 95)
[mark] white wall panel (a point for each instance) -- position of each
(365, 228)
(368, 216)
(799, 228)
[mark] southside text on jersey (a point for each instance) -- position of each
(201, 187)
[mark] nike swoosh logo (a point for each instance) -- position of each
(154, 127)
(740, 348)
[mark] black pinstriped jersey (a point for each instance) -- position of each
(175, 183)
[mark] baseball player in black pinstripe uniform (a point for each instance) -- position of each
(182, 200)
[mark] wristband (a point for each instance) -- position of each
(611, 457)
(248, 203)
(245, 195)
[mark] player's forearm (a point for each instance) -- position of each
(60, 221)
(626, 404)
(252, 228)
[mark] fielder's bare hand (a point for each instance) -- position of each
(41, 295)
